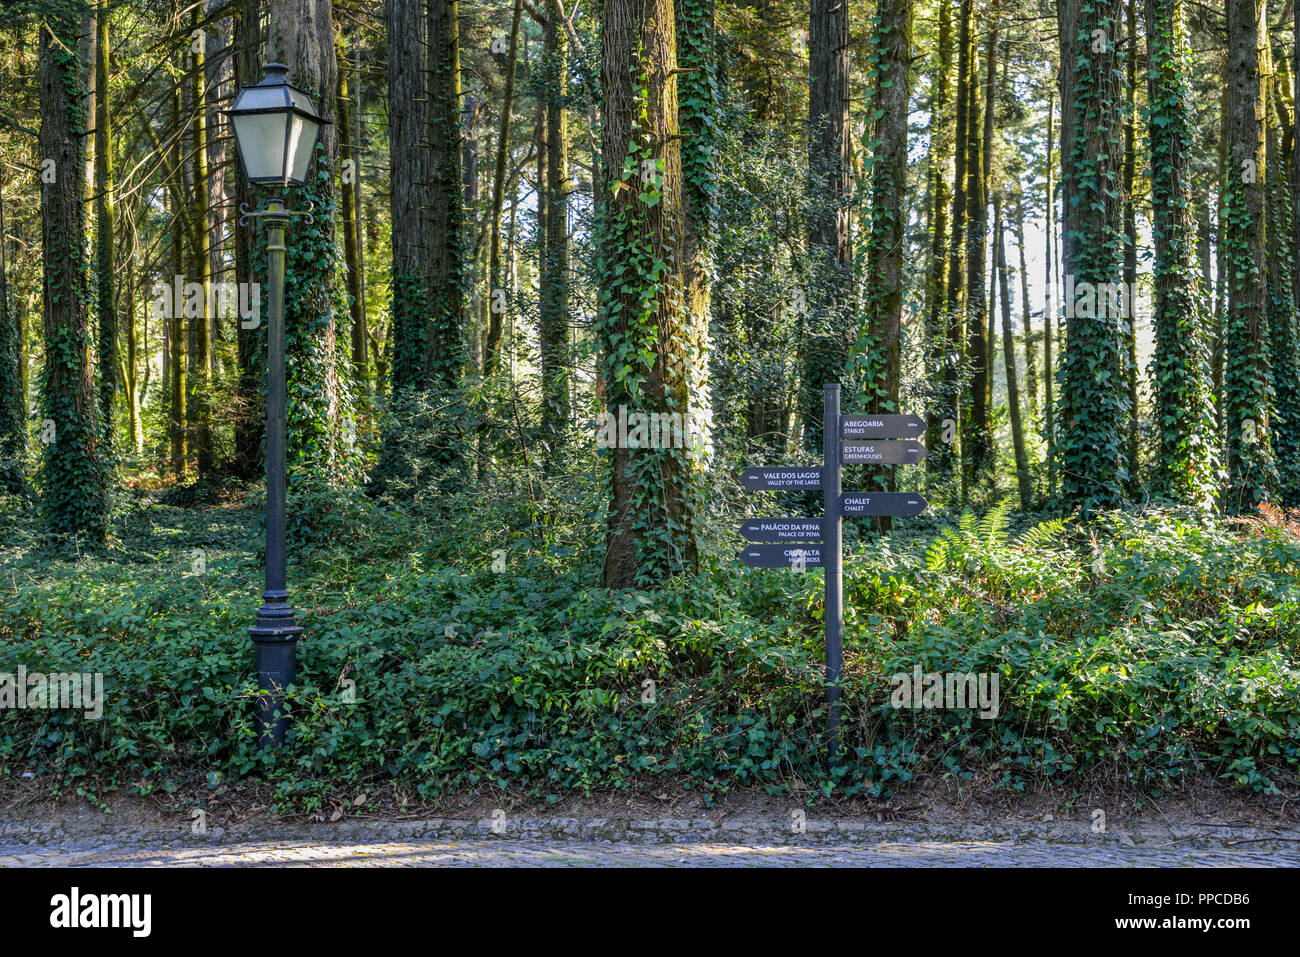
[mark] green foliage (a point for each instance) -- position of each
(1147, 646)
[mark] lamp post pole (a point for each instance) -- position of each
(276, 132)
(275, 634)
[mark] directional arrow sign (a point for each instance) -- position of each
(782, 556)
(883, 503)
(886, 452)
(881, 426)
(781, 477)
(782, 530)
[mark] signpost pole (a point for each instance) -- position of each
(831, 548)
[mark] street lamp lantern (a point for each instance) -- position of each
(276, 128)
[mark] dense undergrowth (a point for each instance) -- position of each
(443, 652)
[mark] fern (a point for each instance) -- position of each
(1043, 533)
(993, 526)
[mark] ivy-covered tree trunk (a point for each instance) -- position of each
(940, 192)
(1186, 466)
(13, 414)
(1283, 330)
(74, 500)
(1252, 475)
(892, 49)
(1130, 244)
(1094, 401)
(697, 106)
(320, 404)
(945, 455)
(445, 354)
(829, 328)
(408, 162)
(647, 356)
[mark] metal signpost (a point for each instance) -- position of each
(802, 543)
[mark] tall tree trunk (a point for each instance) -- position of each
(1026, 314)
(320, 404)
(946, 454)
(892, 48)
(200, 401)
(697, 105)
(1252, 475)
(250, 343)
(830, 252)
(1283, 334)
(940, 193)
(496, 292)
(408, 160)
(554, 319)
(1186, 466)
(1049, 300)
(1218, 318)
(13, 411)
(349, 184)
(75, 495)
(977, 432)
(1009, 360)
(646, 364)
(179, 338)
(1094, 402)
(105, 299)
(131, 363)
(445, 356)
(1130, 245)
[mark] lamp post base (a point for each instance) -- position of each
(275, 637)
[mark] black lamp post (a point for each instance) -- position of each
(276, 128)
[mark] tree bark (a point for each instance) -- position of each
(496, 292)
(1252, 474)
(646, 365)
(13, 411)
(977, 432)
(941, 194)
(1185, 469)
(1009, 360)
(830, 251)
(1094, 402)
(349, 184)
(445, 356)
(105, 297)
(75, 494)
(320, 404)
